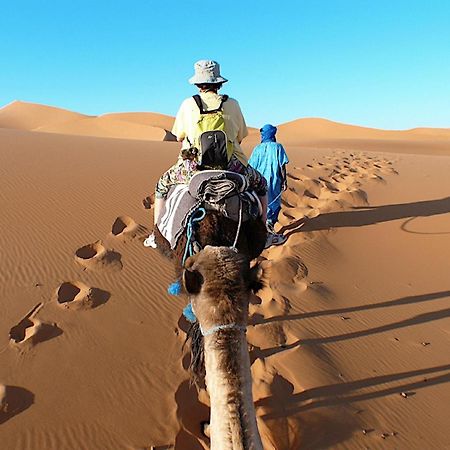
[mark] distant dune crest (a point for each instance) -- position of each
(316, 128)
(156, 127)
(34, 117)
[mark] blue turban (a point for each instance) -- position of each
(268, 133)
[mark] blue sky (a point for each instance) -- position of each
(377, 63)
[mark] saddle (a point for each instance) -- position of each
(225, 192)
(215, 190)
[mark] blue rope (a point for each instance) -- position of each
(188, 311)
(192, 220)
(175, 287)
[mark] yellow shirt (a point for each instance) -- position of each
(185, 125)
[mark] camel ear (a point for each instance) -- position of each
(192, 280)
(255, 278)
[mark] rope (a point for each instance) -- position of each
(228, 326)
(239, 224)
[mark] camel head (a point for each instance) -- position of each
(219, 282)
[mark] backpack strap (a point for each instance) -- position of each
(224, 99)
(198, 100)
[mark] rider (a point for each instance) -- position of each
(208, 80)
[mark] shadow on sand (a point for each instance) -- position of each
(316, 429)
(345, 393)
(16, 400)
(360, 216)
(342, 311)
(191, 414)
(415, 320)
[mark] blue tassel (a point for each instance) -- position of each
(174, 288)
(189, 313)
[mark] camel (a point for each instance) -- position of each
(219, 282)
(217, 230)
(223, 353)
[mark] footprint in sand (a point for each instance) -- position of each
(295, 174)
(13, 400)
(355, 197)
(95, 255)
(31, 331)
(78, 296)
(320, 192)
(290, 198)
(289, 270)
(328, 185)
(313, 187)
(126, 228)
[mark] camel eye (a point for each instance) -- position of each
(192, 280)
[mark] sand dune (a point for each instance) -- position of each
(144, 118)
(29, 116)
(107, 126)
(322, 133)
(311, 132)
(34, 117)
(348, 339)
(321, 128)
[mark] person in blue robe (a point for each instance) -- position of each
(270, 159)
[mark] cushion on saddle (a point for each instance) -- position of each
(222, 191)
(224, 182)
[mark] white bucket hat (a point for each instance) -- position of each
(207, 72)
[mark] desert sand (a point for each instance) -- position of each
(348, 339)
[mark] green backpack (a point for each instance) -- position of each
(215, 149)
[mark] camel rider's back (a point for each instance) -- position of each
(186, 127)
(188, 130)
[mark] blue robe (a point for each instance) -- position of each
(268, 158)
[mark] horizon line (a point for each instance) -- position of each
(249, 126)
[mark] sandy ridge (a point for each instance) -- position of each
(154, 126)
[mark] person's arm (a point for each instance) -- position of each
(243, 131)
(179, 128)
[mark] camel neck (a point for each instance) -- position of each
(229, 383)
